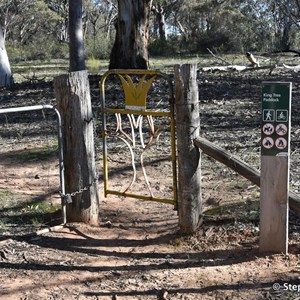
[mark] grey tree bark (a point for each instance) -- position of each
(6, 78)
(130, 50)
(76, 47)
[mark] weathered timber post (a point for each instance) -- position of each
(74, 104)
(189, 160)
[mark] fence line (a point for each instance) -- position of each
(239, 166)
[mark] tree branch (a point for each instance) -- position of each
(218, 58)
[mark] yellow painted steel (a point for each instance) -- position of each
(135, 96)
(142, 197)
(135, 103)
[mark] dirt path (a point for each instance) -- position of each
(137, 254)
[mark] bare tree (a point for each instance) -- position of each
(159, 12)
(130, 50)
(100, 18)
(60, 7)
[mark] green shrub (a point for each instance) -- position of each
(37, 51)
(167, 47)
(93, 65)
(98, 47)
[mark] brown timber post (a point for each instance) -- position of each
(74, 104)
(189, 160)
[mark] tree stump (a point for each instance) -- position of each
(189, 160)
(74, 104)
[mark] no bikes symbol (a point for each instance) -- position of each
(280, 129)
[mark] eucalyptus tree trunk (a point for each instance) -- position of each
(161, 22)
(76, 47)
(287, 25)
(5, 71)
(130, 50)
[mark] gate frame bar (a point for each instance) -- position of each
(60, 146)
(169, 114)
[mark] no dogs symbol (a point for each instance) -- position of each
(268, 129)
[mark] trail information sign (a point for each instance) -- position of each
(276, 103)
(274, 180)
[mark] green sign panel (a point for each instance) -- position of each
(275, 131)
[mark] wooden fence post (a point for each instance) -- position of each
(74, 104)
(189, 160)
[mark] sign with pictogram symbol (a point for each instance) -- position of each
(274, 179)
(268, 115)
(276, 101)
(268, 142)
(281, 129)
(268, 129)
(281, 143)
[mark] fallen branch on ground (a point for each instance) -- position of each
(218, 58)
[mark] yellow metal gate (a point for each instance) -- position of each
(133, 101)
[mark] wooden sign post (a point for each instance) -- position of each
(275, 154)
